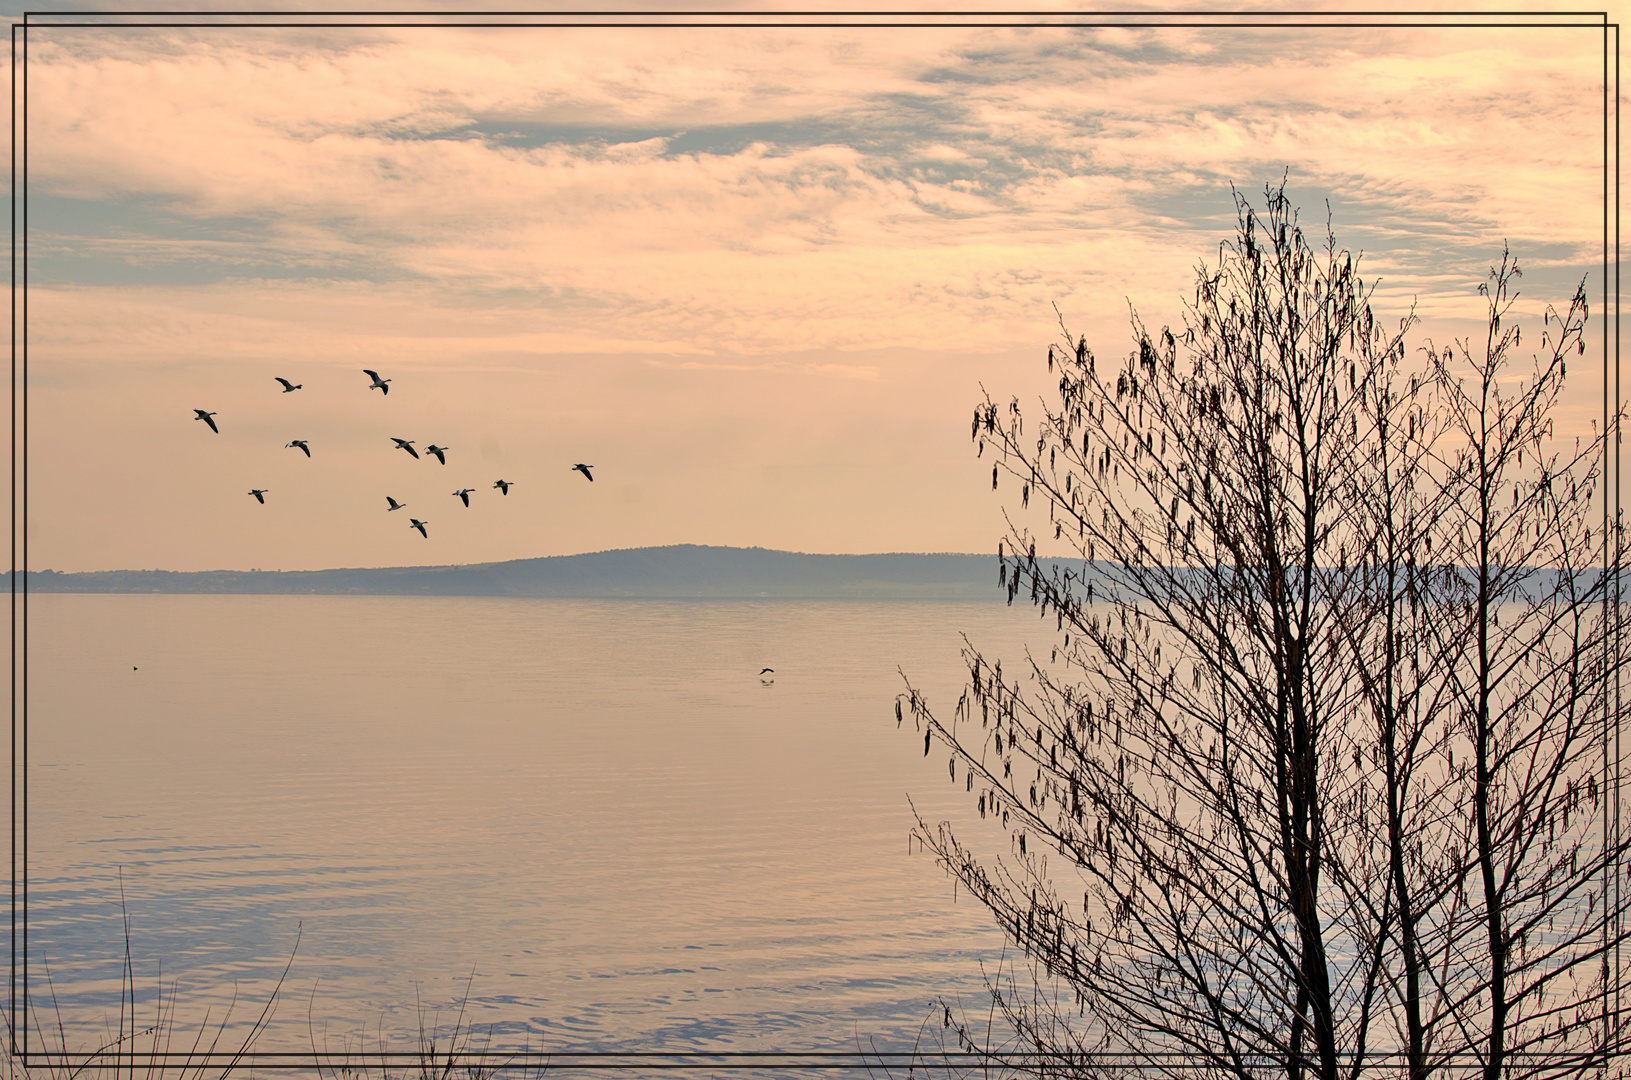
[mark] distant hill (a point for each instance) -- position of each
(679, 571)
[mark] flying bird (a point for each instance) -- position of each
(205, 416)
(378, 382)
(464, 493)
(405, 444)
(260, 495)
(394, 504)
(504, 486)
(584, 469)
(288, 387)
(300, 443)
(415, 523)
(767, 671)
(438, 451)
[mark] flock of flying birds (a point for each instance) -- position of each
(439, 452)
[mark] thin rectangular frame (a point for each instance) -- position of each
(658, 1060)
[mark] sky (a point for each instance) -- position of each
(756, 277)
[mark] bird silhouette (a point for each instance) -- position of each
(288, 387)
(260, 495)
(584, 469)
(767, 671)
(464, 493)
(415, 523)
(378, 382)
(206, 417)
(504, 485)
(438, 451)
(300, 443)
(394, 504)
(405, 444)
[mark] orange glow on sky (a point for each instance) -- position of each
(755, 276)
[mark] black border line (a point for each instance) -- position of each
(727, 1060)
(1612, 337)
(11, 477)
(20, 596)
(733, 1060)
(1614, 550)
(751, 25)
(854, 19)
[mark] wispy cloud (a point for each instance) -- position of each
(767, 202)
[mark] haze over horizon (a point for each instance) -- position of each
(756, 277)
(561, 555)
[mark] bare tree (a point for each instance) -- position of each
(1322, 736)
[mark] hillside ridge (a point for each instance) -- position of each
(672, 571)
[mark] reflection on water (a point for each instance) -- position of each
(592, 814)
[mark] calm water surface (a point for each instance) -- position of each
(590, 816)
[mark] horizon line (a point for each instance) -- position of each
(530, 558)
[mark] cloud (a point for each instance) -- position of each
(875, 137)
(813, 210)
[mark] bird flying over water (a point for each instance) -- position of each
(584, 469)
(464, 493)
(300, 443)
(504, 485)
(405, 444)
(394, 504)
(288, 387)
(205, 416)
(438, 451)
(260, 495)
(378, 382)
(415, 523)
(767, 671)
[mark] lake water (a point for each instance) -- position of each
(589, 816)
